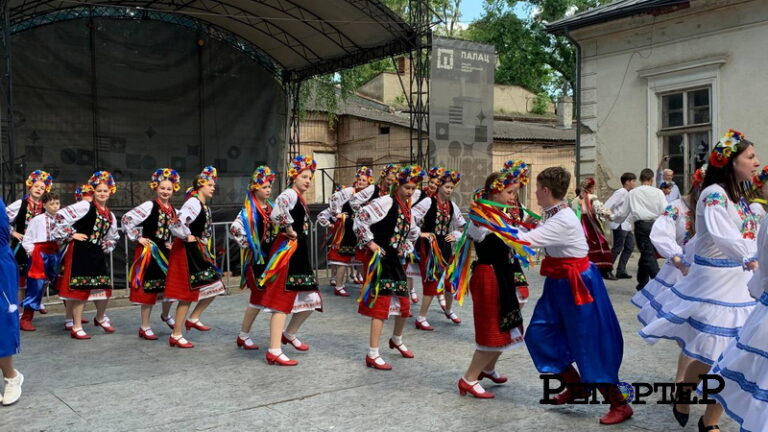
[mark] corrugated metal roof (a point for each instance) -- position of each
(609, 12)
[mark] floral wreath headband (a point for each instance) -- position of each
(410, 174)
(261, 175)
(587, 184)
(435, 172)
(105, 177)
(698, 177)
(725, 148)
(40, 176)
(520, 169)
(83, 190)
(449, 176)
(506, 179)
(366, 173)
(339, 188)
(389, 169)
(301, 163)
(208, 174)
(760, 178)
(164, 174)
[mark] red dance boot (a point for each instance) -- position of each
(25, 323)
(620, 410)
(573, 389)
(465, 387)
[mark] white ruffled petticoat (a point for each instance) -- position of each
(705, 311)
(744, 368)
(668, 276)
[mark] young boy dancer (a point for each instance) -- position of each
(574, 321)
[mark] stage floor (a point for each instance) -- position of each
(119, 382)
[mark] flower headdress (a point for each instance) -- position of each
(301, 163)
(698, 177)
(760, 178)
(449, 176)
(410, 173)
(364, 172)
(42, 176)
(105, 177)
(261, 175)
(208, 174)
(389, 169)
(521, 170)
(725, 148)
(507, 178)
(83, 190)
(164, 174)
(587, 184)
(339, 188)
(435, 172)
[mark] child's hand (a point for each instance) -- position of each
(79, 237)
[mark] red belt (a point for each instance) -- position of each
(571, 269)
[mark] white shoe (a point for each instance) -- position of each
(12, 391)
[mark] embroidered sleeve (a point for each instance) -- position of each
(325, 218)
(601, 210)
(237, 231)
(725, 232)
(35, 230)
(133, 219)
(420, 210)
(281, 213)
(66, 217)
(12, 211)
(664, 234)
(338, 200)
(188, 213)
(477, 233)
(457, 222)
(361, 197)
(369, 215)
(109, 241)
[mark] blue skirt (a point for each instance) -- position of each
(10, 340)
(561, 333)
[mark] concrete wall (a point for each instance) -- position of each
(625, 62)
(514, 99)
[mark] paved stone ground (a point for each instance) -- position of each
(119, 382)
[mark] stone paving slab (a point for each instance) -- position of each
(119, 382)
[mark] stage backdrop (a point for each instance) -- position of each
(132, 96)
(461, 110)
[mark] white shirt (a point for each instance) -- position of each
(643, 203)
(614, 204)
(675, 194)
(561, 235)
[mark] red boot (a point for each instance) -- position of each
(620, 410)
(573, 389)
(26, 320)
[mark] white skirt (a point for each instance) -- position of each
(667, 277)
(704, 311)
(744, 369)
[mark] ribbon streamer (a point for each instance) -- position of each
(140, 265)
(436, 262)
(279, 260)
(370, 289)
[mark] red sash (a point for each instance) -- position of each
(571, 269)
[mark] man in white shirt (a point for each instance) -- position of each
(623, 239)
(667, 175)
(643, 206)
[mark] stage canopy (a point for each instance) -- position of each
(299, 38)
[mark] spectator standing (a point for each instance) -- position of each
(623, 238)
(668, 176)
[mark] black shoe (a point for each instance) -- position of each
(703, 428)
(608, 275)
(682, 418)
(623, 276)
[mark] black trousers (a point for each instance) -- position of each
(647, 267)
(623, 244)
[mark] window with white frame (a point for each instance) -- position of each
(685, 130)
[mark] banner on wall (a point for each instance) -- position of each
(461, 110)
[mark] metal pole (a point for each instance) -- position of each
(94, 90)
(8, 88)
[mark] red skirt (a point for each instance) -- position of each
(334, 255)
(275, 296)
(138, 295)
(62, 282)
(177, 285)
(36, 263)
(380, 309)
(485, 308)
(599, 249)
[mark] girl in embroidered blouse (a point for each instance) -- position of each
(149, 225)
(192, 273)
(705, 311)
(440, 219)
(294, 288)
(254, 232)
(92, 231)
(21, 212)
(387, 226)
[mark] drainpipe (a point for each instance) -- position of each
(577, 102)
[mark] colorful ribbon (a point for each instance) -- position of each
(498, 222)
(279, 260)
(436, 262)
(250, 217)
(459, 269)
(205, 251)
(370, 289)
(140, 265)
